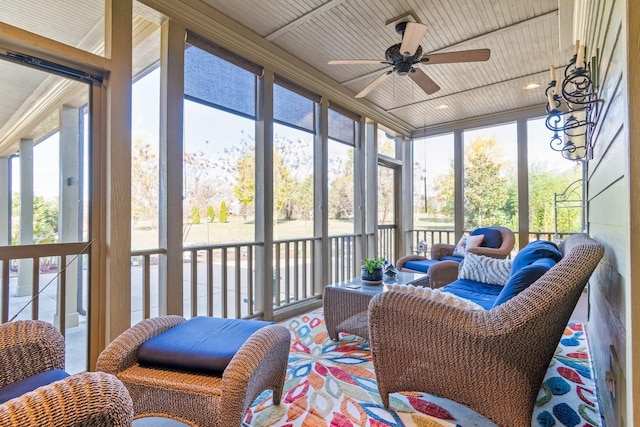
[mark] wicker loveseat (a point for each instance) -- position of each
(442, 267)
(492, 361)
(35, 391)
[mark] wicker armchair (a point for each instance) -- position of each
(192, 398)
(492, 361)
(442, 272)
(31, 347)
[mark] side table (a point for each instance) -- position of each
(345, 304)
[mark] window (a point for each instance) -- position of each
(219, 146)
(491, 177)
(342, 140)
(293, 139)
(433, 183)
(555, 186)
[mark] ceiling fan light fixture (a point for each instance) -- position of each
(531, 86)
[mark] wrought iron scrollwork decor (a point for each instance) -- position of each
(573, 108)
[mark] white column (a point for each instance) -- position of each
(25, 276)
(171, 167)
(5, 206)
(371, 189)
(321, 199)
(264, 196)
(69, 204)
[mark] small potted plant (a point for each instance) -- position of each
(372, 269)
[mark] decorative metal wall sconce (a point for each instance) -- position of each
(573, 108)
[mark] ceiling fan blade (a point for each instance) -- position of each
(459, 56)
(412, 37)
(357, 61)
(424, 81)
(364, 92)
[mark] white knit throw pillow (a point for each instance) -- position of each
(436, 295)
(485, 269)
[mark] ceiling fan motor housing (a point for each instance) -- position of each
(401, 64)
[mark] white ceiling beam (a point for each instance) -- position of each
(304, 18)
(481, 37)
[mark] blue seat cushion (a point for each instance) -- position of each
(31, 383)
(523, 278)
(478, 292)
(534, 251)
(202, 344)
(420, 265)
(492, 237)
(452, 258)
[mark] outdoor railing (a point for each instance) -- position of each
(387, 242)
(432, 237)
(342, 262)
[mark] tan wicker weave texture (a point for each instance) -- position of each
(199, 399)
(29, 347)
(492, 361)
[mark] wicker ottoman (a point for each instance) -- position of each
(205, 396)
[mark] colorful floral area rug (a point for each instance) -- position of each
(334, 385)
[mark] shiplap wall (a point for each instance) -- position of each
(610, 213)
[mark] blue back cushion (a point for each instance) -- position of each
(534, 251)
(492, 237)
(202, 344)
(478, 292)
(523, 278)
(31, 383)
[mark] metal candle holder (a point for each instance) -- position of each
(573, 108)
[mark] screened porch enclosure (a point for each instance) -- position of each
(263, 192)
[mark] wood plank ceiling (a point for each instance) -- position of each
(522, 35)
(523, 38)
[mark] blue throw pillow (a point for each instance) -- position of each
(534, 251)
(523, 278)
(492, 237)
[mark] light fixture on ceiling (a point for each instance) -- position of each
(442, 107)
(573, 108)
(531, 86)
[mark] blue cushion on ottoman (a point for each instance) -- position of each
(202, 344)
(523, 278)
(492, 237)
(31, 383)
(420, 265)
(534, 251)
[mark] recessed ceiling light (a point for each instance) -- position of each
(531, 86)
(442, 107)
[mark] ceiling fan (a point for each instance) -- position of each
(403, 56)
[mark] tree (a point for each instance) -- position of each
(223, 212)
(45, 220)
(144, 183)
(544, 184)
(194, 216)
(341, 187)
(245, 188)
(485, 184)
(211, 213)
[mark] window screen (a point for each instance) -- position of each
(293, 109)
(214, 81)
(342, 128)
